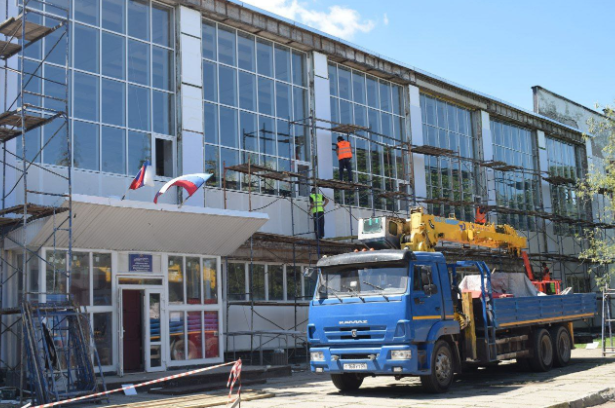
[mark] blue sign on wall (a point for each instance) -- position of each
(140, 263)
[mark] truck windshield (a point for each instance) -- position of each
(365, 280)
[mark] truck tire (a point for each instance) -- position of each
(562, 346)
(442, 366)
(542, 346)
(347, 381)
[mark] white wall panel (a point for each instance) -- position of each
(191, 60)
(190, 21)
(416, 128)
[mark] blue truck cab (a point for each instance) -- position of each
(399, 313)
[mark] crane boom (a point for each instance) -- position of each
(423, 232)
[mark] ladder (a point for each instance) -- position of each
(608, 345)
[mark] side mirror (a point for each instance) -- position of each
(311, 273)
(430, 289)
(425, 278)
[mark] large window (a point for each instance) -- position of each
(255, 99)
(270, 282)
(90, 286)
(367, 101)
(562, 160)
(193, 308)
(122, 85)
(516, 189)
(449, 126)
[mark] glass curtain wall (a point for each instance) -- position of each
(121, 84)
(449, 126)
(563, 162)
(364, 100)
(255, 98)
(516, 189)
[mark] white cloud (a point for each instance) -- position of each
(339, 21)
(386, 19)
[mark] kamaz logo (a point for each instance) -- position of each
(353, 322)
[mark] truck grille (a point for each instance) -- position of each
(345, 334)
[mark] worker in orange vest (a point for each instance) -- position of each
(344, 156)
(481, 215)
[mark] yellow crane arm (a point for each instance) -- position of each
(424, 231)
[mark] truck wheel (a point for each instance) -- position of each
(542, 347)
(442, 364)
(347, 382)
(562, 346)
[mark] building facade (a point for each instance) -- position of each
(203, 86)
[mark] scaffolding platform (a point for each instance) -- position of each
(559, 180)
(30, 32)
(11, 124)
(447, 201)
(339, 185)
(348, 128)
(432, 151)
(265, 172)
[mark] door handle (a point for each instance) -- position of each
(418, 301)
(438, 308)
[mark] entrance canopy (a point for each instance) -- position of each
(111, 224)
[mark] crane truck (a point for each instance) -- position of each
(397, 310)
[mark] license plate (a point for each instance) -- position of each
(357, 366)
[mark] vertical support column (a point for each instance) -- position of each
(417, 138)
(545, 192)
(191, 158)
(487, 144)
(9, 89)
(324, 140)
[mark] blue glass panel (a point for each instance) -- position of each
(211, 123)
(163, 117)
(85, 98)
(248, 131)
(247, 91)
(113, 102)
(86, 145)
(282, 63)
(226, 45)
(138, 19)
(162, 68)
(162, 24)
(87, 11)
(228, 127)
(210, 81)
(138, 107)
(228, 85)
(139, 150)
(86, 48)
(246, 51)
(138, 62)
(210, 47)
(113, 150)
(113, 55)
(265, 96)
(114, 15)
(264, 53)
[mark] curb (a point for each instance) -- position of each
(590, 400)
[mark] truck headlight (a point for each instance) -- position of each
(317, 356)
(401, 354)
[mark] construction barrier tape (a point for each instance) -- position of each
(233, 376)
(159, 380)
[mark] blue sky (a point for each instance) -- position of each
(498, 47)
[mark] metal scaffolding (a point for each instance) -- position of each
(46, 343)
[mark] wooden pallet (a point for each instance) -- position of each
(194, 401)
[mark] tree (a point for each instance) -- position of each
(599, 187)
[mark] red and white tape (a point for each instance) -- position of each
(233, 376)
(159, 380)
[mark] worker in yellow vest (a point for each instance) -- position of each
(344, 156)
(317, 209)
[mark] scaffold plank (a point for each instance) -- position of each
(339, 185)
(559, 180)
(8, 49)
(432, 151)
(12, 27)
(11, 123)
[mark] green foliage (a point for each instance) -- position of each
(599, 186)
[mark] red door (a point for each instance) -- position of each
(132, 313)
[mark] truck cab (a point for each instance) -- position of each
(383, 313)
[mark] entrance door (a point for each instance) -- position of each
(132, 330)
(154, 330)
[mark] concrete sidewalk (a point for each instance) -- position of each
(502, 386)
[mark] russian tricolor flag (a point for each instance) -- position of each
(145, 177)
(191, 182)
